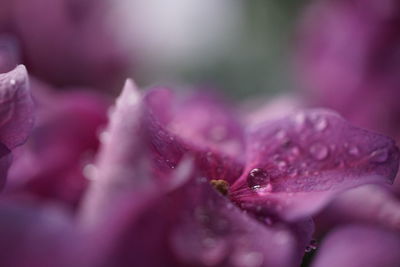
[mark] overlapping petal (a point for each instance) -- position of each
(16, 107)
(359, 246)
(64, 140)
(196, 124)
(193, 226)
(296, 164)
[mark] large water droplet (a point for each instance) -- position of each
(258, 178)
(380, 155)
(319, 151)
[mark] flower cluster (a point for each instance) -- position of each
(169, 178)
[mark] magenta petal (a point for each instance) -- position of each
(16, 107)
(62, 142)
(199, 125)
(296, 164)
(359, 246)
(194, 226)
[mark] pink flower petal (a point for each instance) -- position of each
(296, 164)
(16, 107)
(62, 143)
(199, 125)
(359, 246)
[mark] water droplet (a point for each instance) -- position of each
(281, 164)
(89, 171)
(312, 246)
(321, 124)
(300, 119)
(218, 133)
(353, 150)
(258, 178)
(281, 134)
(13, 82)
(319, 151)
(380, 155)
(247, 259)
(295, 151)
(104, 136)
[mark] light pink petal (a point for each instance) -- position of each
(123, 163)
(16, 107)
(359, 246)
(296, 164)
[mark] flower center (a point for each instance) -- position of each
(221, 186)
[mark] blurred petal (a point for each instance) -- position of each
(369, 204)
(91, 55)
(35, 237)
(297, 164)
(359, 246)
(62, 143)
(121, 166)
(194, 226)
(199, 125)
(9, 56)
(16, 107)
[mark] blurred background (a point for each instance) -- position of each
(240, 47)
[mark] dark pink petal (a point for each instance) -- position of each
(359, 246)
(16, 107)
(197, 124)
(73, 44)
(63, 141)
(369, 204)
(296, 164)
(194, 226)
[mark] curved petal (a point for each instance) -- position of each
(193, 226)
(368, 204)
(63, 141)
(123, 164)
(199, 125)
(359, 246)
(296, 164)
(16, 107)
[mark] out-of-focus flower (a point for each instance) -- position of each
(71, 44)
(291, 168)
(178, 33)
(62, 142)
(16, 114)
(348, 58)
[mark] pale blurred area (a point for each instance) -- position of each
(241, 47)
